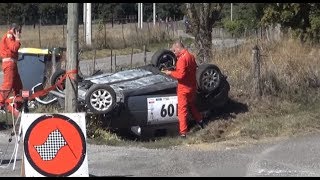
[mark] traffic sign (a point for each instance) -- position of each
(55, 144)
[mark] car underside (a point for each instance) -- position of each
(143, 96)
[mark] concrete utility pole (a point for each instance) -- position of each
(84, 21)
(141, 14)
(88, 24)
(154, 14)
(231, 12)
(71, 100)
(139, 18)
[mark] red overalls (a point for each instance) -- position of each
(9, 47)
(185, 73)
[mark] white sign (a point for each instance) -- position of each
(162, 109)
(54, 145)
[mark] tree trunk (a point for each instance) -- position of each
(203, 44)
(202, 17)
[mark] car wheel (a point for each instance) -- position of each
(208, 77)
(57, 75)
(164, 59)
(100, 98)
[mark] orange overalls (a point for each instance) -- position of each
(9, 47)
(185, 73)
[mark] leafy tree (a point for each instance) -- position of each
(235, 27)
(302, 18)
(245, 16)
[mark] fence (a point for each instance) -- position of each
(48, 36)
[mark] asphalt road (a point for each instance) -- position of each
(287, 157)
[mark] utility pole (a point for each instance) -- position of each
(71, 99)
(139, 14)
(84, 21)
(231, 12)
(154, 14)
(88, 24)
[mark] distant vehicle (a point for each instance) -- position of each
(142, 97)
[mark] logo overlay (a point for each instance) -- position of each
(54, 145)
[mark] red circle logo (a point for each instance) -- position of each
(54, 145)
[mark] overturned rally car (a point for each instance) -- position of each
(144, 96)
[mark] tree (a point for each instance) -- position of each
(245, 16)
(302, 18)
(173, 10)
(203, 17)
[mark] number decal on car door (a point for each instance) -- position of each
(162, 109)
(168, 110)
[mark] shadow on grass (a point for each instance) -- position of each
(227, 112)
(5, 126)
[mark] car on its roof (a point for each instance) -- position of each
(143, 96)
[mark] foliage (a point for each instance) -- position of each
(235, 27)
(56, 13)
(249, 13)
(302, 18)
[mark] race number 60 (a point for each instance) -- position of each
(169, 110)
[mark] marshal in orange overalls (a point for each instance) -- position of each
(9, 47)
(185, 73)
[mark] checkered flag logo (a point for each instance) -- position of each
(49, 149)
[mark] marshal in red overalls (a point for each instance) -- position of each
(185, 73)
(9, 47)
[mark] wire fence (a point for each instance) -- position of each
(115, 34)
(123, 33)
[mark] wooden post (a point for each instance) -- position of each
(105, 34)
(144, 55)
(124, 40)
(111, 61)
(71, 100)
(115, 62)
(148, 34)
(94, 61)
(112, 21)
(131, 58)
(63, 37)
(256, 72)
(39, 33)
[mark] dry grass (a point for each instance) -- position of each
(289, 69)
(119, 37)
(291, 95)
(290, 75)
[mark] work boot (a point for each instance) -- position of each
(201, 124)
(18, 106)
(183, 136)
(1, 106)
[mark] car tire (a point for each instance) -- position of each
(164, 59)
(208, 78)
(57, 75)
(94, 95)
